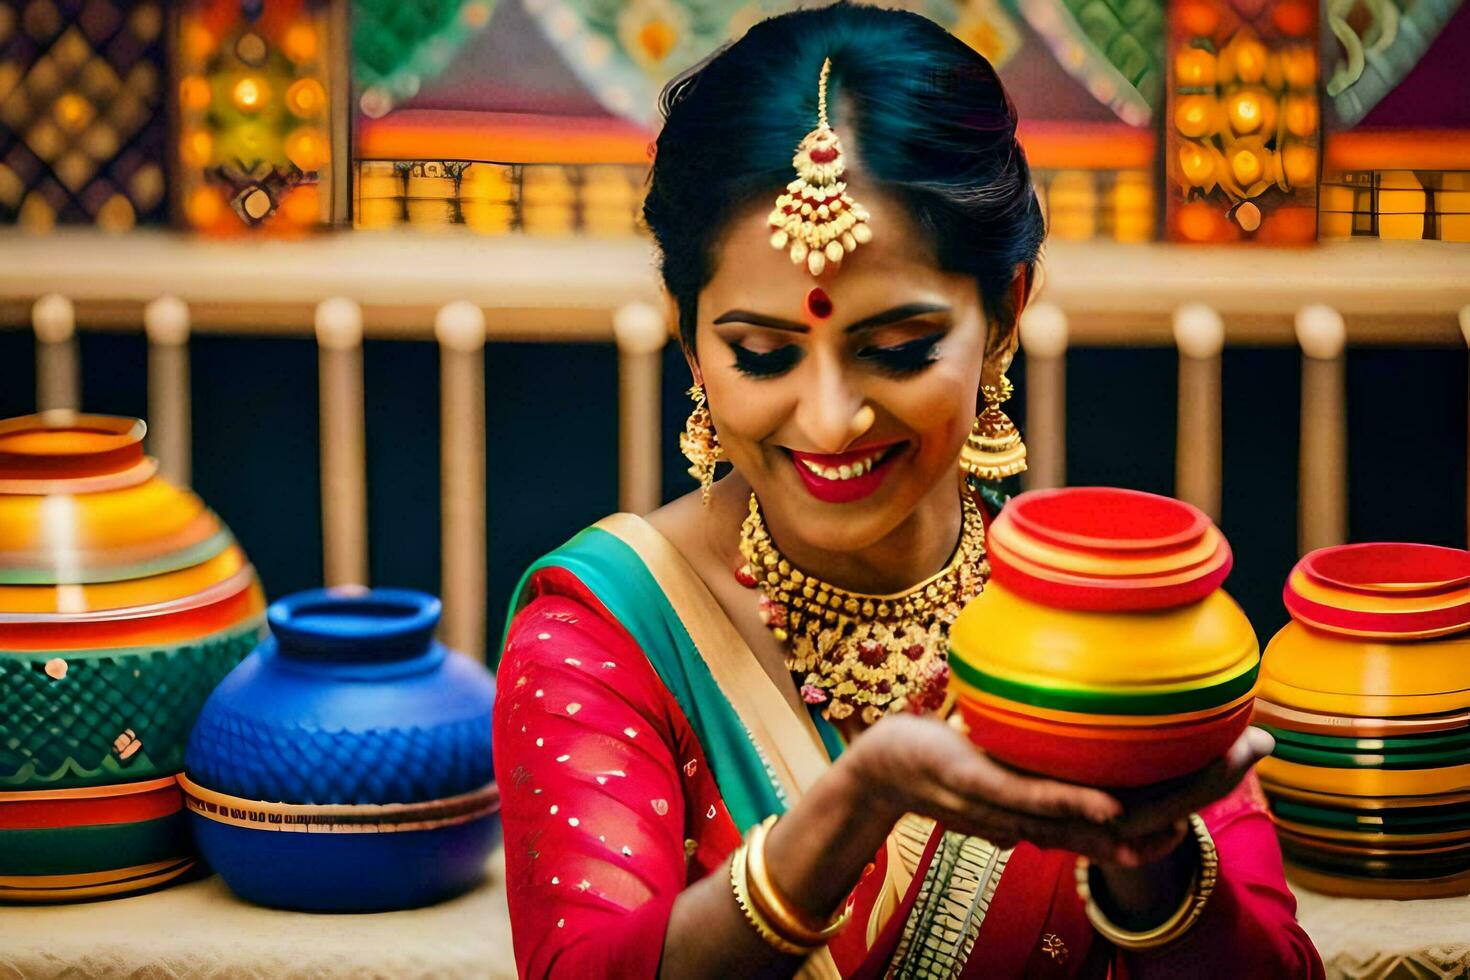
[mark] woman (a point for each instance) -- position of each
(770, 645)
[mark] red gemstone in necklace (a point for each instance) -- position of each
(819, 304)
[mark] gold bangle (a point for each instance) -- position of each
(792, 924)
(1201, 887)
(752, 915)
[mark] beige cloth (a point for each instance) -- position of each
(201, 930)
(1377, 939)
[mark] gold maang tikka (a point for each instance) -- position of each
(816, 219)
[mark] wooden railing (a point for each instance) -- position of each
(464, 291)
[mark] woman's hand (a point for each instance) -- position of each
(1146, 880)
(1162, 809)
(909, 764)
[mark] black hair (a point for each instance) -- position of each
(926, 118)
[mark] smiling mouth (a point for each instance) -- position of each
(841, 478)
(844, 466)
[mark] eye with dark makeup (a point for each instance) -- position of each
(766, 364)
(907, 358)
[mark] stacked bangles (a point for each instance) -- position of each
(1196, 897)
(782, 927)
(1367, 692)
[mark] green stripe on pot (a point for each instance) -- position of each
(1099, 702)
(1331, 759)
(1425, 821)
(84, 850)
(170, 562)
(1399, 868)
(59, 733)
(1399, 743)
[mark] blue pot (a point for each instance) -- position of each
(345, 765)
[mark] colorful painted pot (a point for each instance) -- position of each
(345, 765)
(1368, 693)
(1102, 651)
(123, 601)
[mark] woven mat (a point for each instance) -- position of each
(1376, 939)
(200, 931)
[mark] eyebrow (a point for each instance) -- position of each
(895, 315)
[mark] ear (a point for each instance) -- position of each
(671, 317)
(1000, 347)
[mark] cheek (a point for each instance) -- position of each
(939, 406)
(745, 412)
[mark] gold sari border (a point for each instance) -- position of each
(788, 740)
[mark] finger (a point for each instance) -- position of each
(1077, 836)
(1147, 850)
(982, 779)
(1007, 827)
(1207, 786)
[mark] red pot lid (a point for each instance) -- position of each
(1107, 549)
(1399, 568)
(1382, 590)
(1107, 519)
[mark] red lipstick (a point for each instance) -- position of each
(830, 486)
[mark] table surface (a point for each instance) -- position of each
(200, 930)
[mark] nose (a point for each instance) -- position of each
(827, 407)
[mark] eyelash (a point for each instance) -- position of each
(906, 358)
(766, 365)
(903, 359)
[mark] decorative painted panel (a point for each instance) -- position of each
(255, 143)
(82, 118)
(1242, 133)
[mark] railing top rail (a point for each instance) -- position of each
(1404, 293)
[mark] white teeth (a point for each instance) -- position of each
(844, 472)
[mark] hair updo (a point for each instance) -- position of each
(922, 113)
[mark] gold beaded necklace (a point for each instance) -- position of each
(864, 654)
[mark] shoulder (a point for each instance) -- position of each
(563, 654)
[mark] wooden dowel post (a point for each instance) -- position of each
(1322, 497)
(460, 330)
(641, 334)
(166, 321)
(344, 472)
(1044, 340)
(58, 364)
(1465, 332)
(1200, 337)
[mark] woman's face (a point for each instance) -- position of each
(792, 392)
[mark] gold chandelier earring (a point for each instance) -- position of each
(994, 449)
(699, 443)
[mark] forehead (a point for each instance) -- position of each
(898, 262)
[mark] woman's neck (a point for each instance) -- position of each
(917, 548)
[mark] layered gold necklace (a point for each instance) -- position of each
(868, 655)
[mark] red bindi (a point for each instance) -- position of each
(819, 304)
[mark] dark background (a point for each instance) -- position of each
(553, 445)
